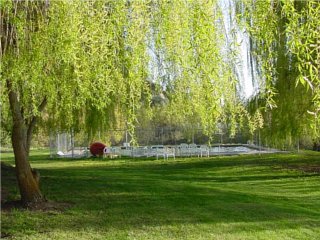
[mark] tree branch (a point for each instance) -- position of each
(14, 103)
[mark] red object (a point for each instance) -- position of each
(96, 148)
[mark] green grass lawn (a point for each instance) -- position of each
(235, 197)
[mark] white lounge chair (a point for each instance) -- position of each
(183, 149)
(193, 149)
(160, 150)
(203, 151)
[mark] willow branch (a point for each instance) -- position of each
(33, 122)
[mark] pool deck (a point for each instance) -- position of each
(184, 150)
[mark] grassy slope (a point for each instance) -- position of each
(241, 197)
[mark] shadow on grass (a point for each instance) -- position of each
(212, 191)
(178, 193)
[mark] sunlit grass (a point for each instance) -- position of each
(238, 197)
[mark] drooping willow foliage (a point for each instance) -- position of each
(86, 59)
(285, 41)
(89, 61)
(304, 43)
(189, 42)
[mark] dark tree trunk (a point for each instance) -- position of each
(28, 179)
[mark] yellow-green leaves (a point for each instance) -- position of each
(85, 57)
(285, 42)
(91, 60)
(189, 42)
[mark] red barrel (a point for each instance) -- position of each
(96, 148)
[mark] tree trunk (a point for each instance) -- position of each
(28, 179)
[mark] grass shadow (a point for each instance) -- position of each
(124, 194)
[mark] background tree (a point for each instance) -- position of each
(285, 47)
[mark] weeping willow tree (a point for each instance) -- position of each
(188, 38)
(71, 64)
(304, 43)
(86, 65)
(124, 30)
(286, 45)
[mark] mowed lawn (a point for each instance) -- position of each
(274, 196)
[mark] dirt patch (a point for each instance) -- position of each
(305, 168)
(47, 206)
